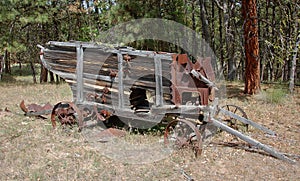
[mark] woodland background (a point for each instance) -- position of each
(26, 23)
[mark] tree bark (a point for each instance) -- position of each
(204, 21)
(7, 68)
(230, 40)
(205, 26)
(252, 72)
(1, 66)
(221, 37)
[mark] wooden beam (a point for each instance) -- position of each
(158, 82)
(120, 80)
(113, 49)
(79, 73)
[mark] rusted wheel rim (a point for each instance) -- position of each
(232, 122)
(182, 133)
(65, 112)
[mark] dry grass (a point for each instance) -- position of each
(31, 150)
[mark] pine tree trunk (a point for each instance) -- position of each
(212, 27)
(7, 68)
(252, 72)
(221, 38)
(205, 26)
(294, 63)
(230, 40)
(33, 72)
(264, 34)
(1, 66)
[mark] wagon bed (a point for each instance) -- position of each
(112, 78)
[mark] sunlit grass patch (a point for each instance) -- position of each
(273, 95)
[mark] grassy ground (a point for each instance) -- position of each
(31, 150)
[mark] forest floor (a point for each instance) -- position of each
(31, 150)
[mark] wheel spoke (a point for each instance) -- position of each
(185, 133)
(232, 122)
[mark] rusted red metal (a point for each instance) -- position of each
(105, 90)
(65, 112)
(35, 109)
(127, 58)
(110, 133)
(102, 115)
(184, 139)
(113, 73)
(184, 82)
(92, 97)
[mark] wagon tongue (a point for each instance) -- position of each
(247, 121)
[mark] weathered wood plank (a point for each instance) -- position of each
(59, 54)
(120, 81)
(79, 74)
(158, 81)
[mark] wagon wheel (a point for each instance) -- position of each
(67, 114)
(232, 122)
(183, 133)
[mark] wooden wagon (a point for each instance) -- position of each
(144, 87)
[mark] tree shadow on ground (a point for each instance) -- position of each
(7, 78)
(241, 146)
(236, 90)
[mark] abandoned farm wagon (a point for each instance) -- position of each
(145, 88)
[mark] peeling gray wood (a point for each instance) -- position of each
(120, 81)
(158, 82)
(113, 49)
(79, 73)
